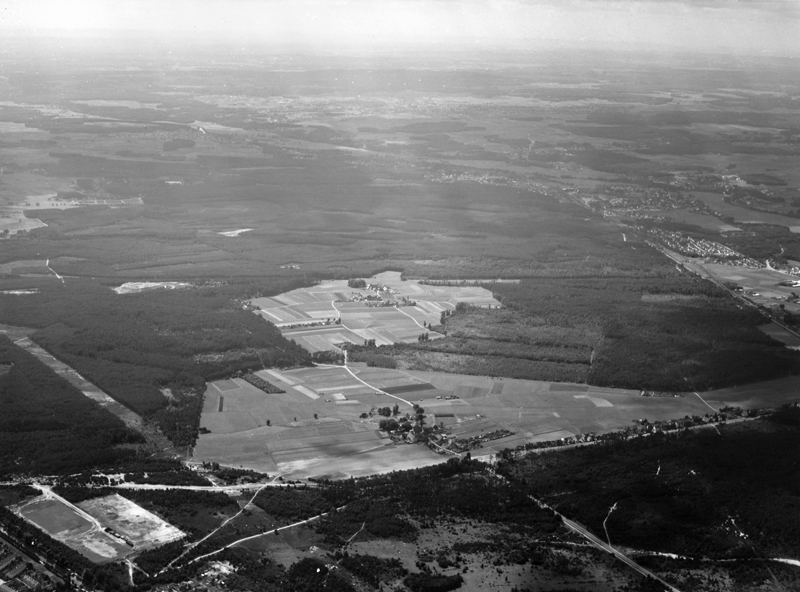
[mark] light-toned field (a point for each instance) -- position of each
(142, 528)
(319, 306)
(316, 429)
(66, 525)
(15, 222)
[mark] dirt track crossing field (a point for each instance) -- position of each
(298, 435)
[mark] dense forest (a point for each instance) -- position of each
(669, 332)
(135, 346)
(48, 425)
(673, 333)
(729, 493)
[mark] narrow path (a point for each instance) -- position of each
(417, 322)
(259, 535)
(216, 530)
(584, 532)
(705, 403)
(130, 571)
(55, 273)
(364, 382)
(605, 527)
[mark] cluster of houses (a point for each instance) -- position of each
(18, 575)
(438, 437)
(383, 296)
(709, 250)
(443, 442)
(642, 428)
(639, 202)
(368, 298)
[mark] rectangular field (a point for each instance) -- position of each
(142, 528)
(64, 524)
(323, 338)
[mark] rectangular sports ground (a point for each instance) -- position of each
(102, 529)
(64, 524)
(143, 529)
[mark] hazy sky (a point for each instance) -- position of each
(749, 26)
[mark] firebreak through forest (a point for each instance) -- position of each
(135, 346)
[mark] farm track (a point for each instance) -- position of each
(365, 383)
(251, 537)
(216, 530)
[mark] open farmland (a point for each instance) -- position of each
(315, 428)
(331, 313)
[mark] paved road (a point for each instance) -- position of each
(209, 487)
(571, 524)
(600, 544)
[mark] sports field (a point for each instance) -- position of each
(315, 427)
(143, 529)
(65, 524)
(309, 315)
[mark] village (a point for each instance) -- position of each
(710, 251)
